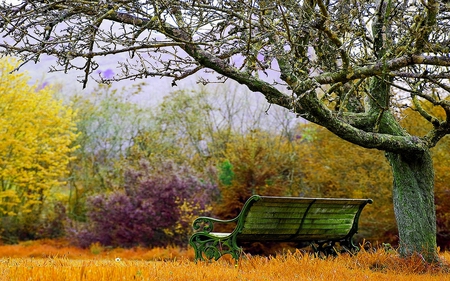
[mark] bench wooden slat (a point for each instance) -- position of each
(319, 201)
(302, 209)
(294, 231)
(288, 205)
(312, 214)
(273, 233)
(309, 220)
(250, 227)
(289, 238)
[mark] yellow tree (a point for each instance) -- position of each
(36, 132)
(258, 162)
(359, 174)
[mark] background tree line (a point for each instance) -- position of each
(131, 175)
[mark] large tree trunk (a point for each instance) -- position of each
(414, 207)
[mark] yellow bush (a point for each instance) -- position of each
(36, 132)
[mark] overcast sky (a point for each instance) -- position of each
(154, 91)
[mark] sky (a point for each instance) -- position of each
(153, 93)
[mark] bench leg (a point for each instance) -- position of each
(329, 248)
(324, 249)
(209, 247)
(349, 247)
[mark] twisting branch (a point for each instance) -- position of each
(311, 51)
(324, 26)
(429, 117)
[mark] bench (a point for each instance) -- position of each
(323, 223)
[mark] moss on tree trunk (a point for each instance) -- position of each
(413, 187)
(414, 207)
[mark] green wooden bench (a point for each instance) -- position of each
(320, 222)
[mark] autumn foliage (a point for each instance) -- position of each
(155, 208)
(139, 176)
(37, 131)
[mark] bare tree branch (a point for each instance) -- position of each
(294, 52)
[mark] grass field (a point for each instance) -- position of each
(54, 261)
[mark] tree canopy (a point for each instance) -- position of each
(323, 52)
(345, 65)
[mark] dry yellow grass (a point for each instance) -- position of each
(62, 249)
(122, 265)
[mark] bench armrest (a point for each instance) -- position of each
(206, 224)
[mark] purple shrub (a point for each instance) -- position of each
(147, 211)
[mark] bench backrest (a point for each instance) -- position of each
(266, 218)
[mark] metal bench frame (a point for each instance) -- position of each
(320, 222)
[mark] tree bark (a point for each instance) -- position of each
(413, 195)
(413, 186)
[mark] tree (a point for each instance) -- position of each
(195, 126)
(414, 123)
(257, 163)
(107, 122)
(344, 65)
(37, 131)
(361, 173)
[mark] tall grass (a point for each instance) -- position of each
(172, 264)
(62, 249)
